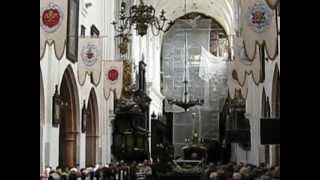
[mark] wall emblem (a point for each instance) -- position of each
(113, 75)
(259, 17)
(51, 18)
(89, 54)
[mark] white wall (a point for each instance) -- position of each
(52, 72)
(101, 13)
(253, 111)
(148, 47)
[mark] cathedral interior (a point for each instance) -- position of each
(159, 89)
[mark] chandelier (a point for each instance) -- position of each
(186, 103)
(142, 16)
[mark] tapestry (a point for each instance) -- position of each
(258, 27)
(53, 25)
(113, 77)
(89, 56)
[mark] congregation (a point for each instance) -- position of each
(148, 171)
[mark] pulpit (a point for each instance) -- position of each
(130, 127)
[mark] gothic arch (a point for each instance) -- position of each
(265, 113)
(275, 150)
(276, 92)
(265, 105)
(69, 125)
(204, 15)
(92, 130)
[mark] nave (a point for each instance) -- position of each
(160, 89)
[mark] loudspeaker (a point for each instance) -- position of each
(270, 130)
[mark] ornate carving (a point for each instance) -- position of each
(127, 80)
(124, 41)
(133, 99)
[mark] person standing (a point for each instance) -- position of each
(147, 170)
(133, 171)
(140, 174)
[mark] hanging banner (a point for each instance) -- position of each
(243, 66)
(259, 27)
(240, 53)
(233, 84)
(113, 78)
(53, 25)
(89, 56)
(273, 3)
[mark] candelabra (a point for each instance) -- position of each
(142, 16)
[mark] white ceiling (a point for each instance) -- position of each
(221, 10)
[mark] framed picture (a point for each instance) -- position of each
(56, 108)
(72, 30)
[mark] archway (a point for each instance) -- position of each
(181, 65)
(276, 93)
(92, 130)
(263, 104)
(69, 120)
(276, 111)
(265, 113)
(42, 120)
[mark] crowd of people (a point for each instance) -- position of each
(113, 171)
(242, 171)
(146, 171)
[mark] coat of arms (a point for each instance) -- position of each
(259, 17)
(89, 54)
(51, 18)
(113, 75)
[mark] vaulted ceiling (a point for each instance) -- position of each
(221, 10)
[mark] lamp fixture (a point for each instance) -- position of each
(141, 17)
(186, 103)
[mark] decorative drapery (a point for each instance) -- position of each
(113, 78)
(273, 3)
(233, 84)
(89, 56)
(211, 67)
(243, 67)
(258, 27)
(53, 25)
